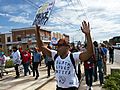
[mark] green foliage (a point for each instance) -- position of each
(9, 64)
(112, 81)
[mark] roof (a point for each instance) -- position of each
(27, 28)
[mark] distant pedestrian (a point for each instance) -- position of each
(88, 67)
(99, 63)
(16, 59)
(2, 63)
(111, 54)
(104, 50)
(26, 58)
(30, 51)
(49, 62)
(36, 62)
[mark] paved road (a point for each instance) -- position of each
(8, 82)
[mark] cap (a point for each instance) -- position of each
(62, 42)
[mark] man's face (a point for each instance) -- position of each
(14, 50)
(62, 49)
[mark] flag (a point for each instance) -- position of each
(43, 14)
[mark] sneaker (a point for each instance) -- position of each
(87, 88)
(90, 88)
(16, 77)
(0, 75)
(36, 77)
(48, 76)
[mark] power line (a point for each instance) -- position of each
(73, 6)
(83, 9)
(36, 6)
(31, 3)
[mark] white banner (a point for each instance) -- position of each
(43, 14)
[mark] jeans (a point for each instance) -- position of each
(99, 64)
(35, 69)
(111, 58)
(26, 68)
(88, 76)
(49, 64)
(17, 70)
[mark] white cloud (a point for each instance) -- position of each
(67, 16)
(60, 3)
(102, 14)
(9, 8)
(20, 19)
(17, 19)
(1, 27)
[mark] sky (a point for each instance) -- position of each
(66, 17)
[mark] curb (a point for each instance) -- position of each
(50, 78)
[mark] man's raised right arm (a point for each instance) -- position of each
(40, 43)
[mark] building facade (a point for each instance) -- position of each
(114, 40)
(25, 38)
(6, 42)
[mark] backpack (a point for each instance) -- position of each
(98, 54)
(73, 62)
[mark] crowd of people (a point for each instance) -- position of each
(65, 60)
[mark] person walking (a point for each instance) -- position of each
(16, 60)
(50, 63)
(88, 67)
(26, 58)
(64, 70)
(99, 63)
(2, 63)
(111, 54)
(36, 62)
(104, 50)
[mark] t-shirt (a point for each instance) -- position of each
(64, 70)
(16, 57)
(2, 60)
(37, 57)
(26, 57)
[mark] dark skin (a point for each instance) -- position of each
(63, 50)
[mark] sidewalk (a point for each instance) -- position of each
(29, 83)
(8, 82)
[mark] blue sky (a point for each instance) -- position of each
(66, 17)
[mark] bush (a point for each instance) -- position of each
(9, 64)
(112, 81)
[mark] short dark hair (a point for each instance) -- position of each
(95, 43)
(14, 47)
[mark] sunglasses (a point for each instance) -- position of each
(59, 45)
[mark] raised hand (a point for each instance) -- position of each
(85, 27)
(37, 28)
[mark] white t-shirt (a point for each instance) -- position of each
(16, 57)
(64, 70)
